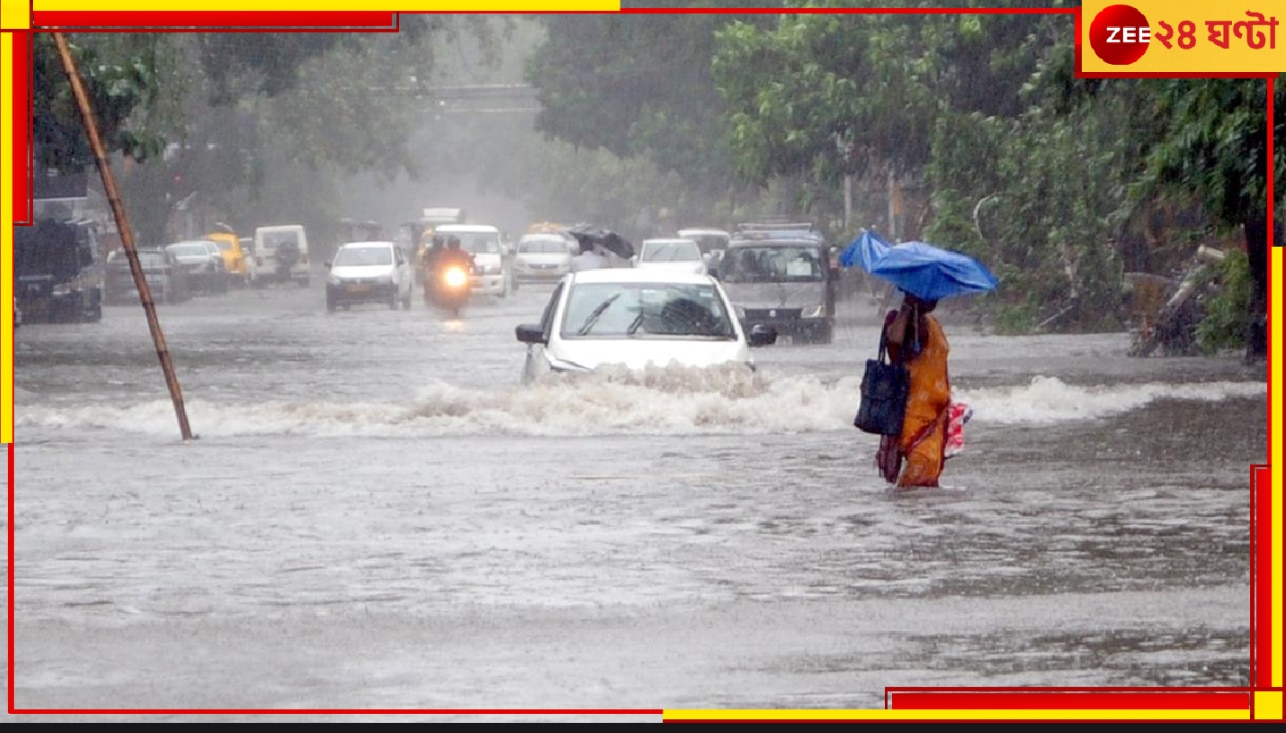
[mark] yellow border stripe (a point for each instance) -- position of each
(1073, 714)
(6, 238)
(1275, 452)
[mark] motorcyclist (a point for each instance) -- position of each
(452, 254)
(430, 257)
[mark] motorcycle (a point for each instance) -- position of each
(287, 258)
(451, 285)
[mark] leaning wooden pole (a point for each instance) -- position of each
(126, 232)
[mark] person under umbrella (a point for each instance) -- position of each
(590, 257)
(915, 457)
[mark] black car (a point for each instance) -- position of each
(786, 279)
(166, 278)
(58, 274)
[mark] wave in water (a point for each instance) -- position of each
(653, 402)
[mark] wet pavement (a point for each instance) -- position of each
(378, 515)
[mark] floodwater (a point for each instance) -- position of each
(377, 515)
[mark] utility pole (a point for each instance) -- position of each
(126, 232)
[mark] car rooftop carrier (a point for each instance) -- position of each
(776, 226)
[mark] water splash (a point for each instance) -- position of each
(654, 401)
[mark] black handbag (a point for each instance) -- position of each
(885, 386)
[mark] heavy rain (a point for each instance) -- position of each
(391, 503)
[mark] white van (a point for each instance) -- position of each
(494, 274)
(291, 267)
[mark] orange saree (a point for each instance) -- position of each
(921, 447)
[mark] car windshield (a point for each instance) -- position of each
(146, 257)
(358, 256)
(771, 264)
(670, 252)
(188, 250)
(478, 242)
(542, 246)
(642, 310)
(150, 259)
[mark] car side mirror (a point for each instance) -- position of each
(761, 335)
(530, 333)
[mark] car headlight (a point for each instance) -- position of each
(62, 289)
(814, 312)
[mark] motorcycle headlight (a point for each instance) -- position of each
(814, 312)
(455, 277)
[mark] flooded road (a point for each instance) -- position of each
(377, 514)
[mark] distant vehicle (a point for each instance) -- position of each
(784, 278)
(234, 257)
(711, 241)
(426, 225)
(543, 256)
(545, 227)
(369, 272)
(58, 273)
(281, 255)
(202, 263)
(166, 278)
(493, 266)
(635, 318)
(675, 255)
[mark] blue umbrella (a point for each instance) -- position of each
(929, 272)
(864, 250)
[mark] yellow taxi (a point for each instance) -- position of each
(234, 257)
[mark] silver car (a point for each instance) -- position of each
(543, 257)
(202, 262)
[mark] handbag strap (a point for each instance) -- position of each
(884, 343)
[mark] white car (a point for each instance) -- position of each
(711, 241)
(365, 272)
(636, 317)
(672, 255)
(543, 256)
(493, 268)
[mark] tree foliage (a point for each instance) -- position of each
(117, 83)
(637, 86)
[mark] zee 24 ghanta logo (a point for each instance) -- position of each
(1120, 34)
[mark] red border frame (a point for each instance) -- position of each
(908, 698)
(345, 20)
(22, 186)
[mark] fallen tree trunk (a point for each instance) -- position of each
(1172, 326)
